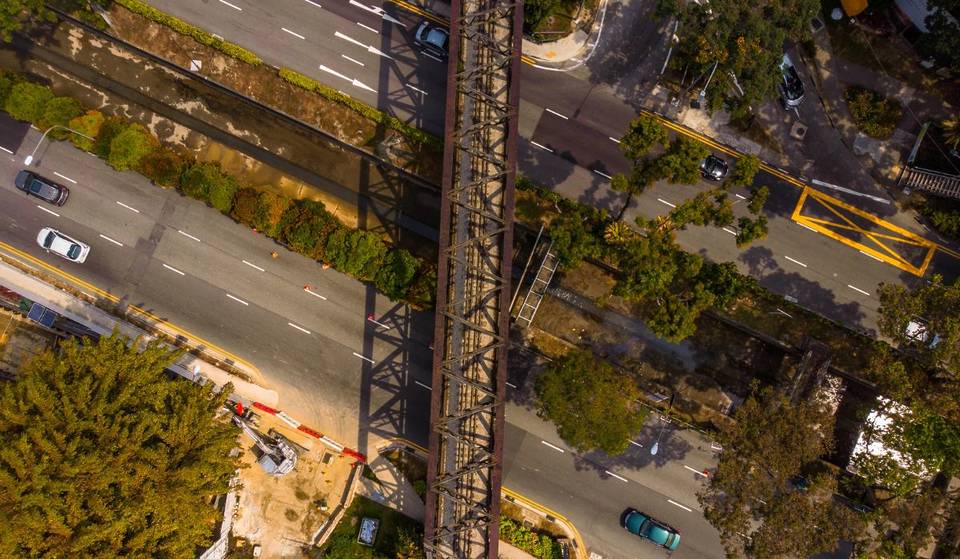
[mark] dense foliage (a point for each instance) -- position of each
(874, 114)
(593, 405)
(539, 545)
(103, 456)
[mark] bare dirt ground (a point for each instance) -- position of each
(283, 514)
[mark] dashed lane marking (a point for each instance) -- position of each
(235, 7)
(172, 269)
(602, 174)
(254, 266)
(554, 447)
(857, 289)
(417, 382)
(106, 238)
(131, 208)
(301, 328)
(662, 201)
(684, 507)
(239, 300)
(367, 359)
(553, 112)
(187, 235)
(611, 474)
(795, 261)
(541, 146)
(51, 212)
(694, 470)
(65, 177)
(294, 33)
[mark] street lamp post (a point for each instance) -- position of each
(29, 158)
(656, 445)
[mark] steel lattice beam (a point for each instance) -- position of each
(472, 319)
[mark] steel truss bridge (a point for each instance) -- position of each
(473, 295)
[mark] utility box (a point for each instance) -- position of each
(42, 315)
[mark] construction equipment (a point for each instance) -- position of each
(278, 456)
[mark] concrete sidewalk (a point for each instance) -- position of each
(393, 489)
(99, 321)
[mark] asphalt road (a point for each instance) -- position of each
(187, 264)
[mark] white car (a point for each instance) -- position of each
(56, 242)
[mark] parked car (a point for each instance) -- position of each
(714, 168)
(67, 247)
(43, 188)
(651, 529)
(791, 86)
(433, 39)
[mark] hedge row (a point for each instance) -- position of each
(184, 28)
(304, 226)
(378, 117)
(539, 545)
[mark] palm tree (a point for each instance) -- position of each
(951, 131)
(617, 233)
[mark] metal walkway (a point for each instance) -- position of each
(933, 182)
(531, 302)
(473, 295)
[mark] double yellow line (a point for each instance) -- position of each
(114, 299)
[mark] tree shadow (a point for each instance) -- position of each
(669, 449)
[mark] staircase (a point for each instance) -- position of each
(531, 302)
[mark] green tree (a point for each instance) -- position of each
(934, 304)
(394, 276)
(129, 146)
(725, 282)
(681, 163)
(59, 111)
(874, 114)
(771, 440)
(305, 227)
(7, 81)
(758, 198)
(355, 252)
(207, 181)
(750, 230)
(163, 166)
(942, 41)
(744, 39)
(643, 134)
(105, 457)
(592, 405)
(88, 124)
(951, 132)
(573, 238)
(744, 171)
(27, 101)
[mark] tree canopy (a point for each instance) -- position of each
(102, 456)
(771, 441)
(943, 38)
(593, 406)
(935, 304)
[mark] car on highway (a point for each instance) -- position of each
(56, 242)
(433, 39)
(651, 529)
(43, 188)
(714, 168)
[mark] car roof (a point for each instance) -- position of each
(658, 533)
(437, 37)
(61, 243)
(42, 187)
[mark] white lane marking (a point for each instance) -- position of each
(6, 150)
(602, 174)
(511, 385)
(636, 444)
(355, 354)
(370, 48)
(417, 89)
(379, 11)
(311, 292)
(731, 231)
(118, 243)
(795, 261)
(313, 3)
(858, 289)
(784, 313)
(132, 209)
(428, 55)
(368, 28)
(871, 256)
(188, 235)
(553, 112)
(694, 470)
(417, 382)
(51, 212)
(621, 478)
(238, 8)
(354, 60)
(354, 81)
(254, 266)
(554, 447)
(662, 201)
(239, 300)
(740, 197)
(297, 35)
(172, 269)
(614, 139)
(65, 177)
(684, 507)
(302, 329)
(808, 227)
(541, 146)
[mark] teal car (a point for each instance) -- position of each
(650, 529)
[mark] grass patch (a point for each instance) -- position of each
(393, 537)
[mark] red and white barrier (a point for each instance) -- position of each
(330, 443)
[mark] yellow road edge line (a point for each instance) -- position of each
(421, 12)
(581, 547)
(113, 298)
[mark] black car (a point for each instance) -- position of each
(434, 40)
(45, 189)
(714, 168)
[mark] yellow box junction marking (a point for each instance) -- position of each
(884, 240)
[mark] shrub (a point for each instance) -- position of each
(422, 292)
(874, 114)
(354, 252)
(59, 112)
(305, 227)
(184, 28)
(109, 129)
(540, 546)
(88, 124)
(7, 81)
(129, 146)
(207, 182)
(245, 206)
(163, 166)
(268, 212)
(28, 101)
(394, 276)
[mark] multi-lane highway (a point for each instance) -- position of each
(351, 377)
(569, 124)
